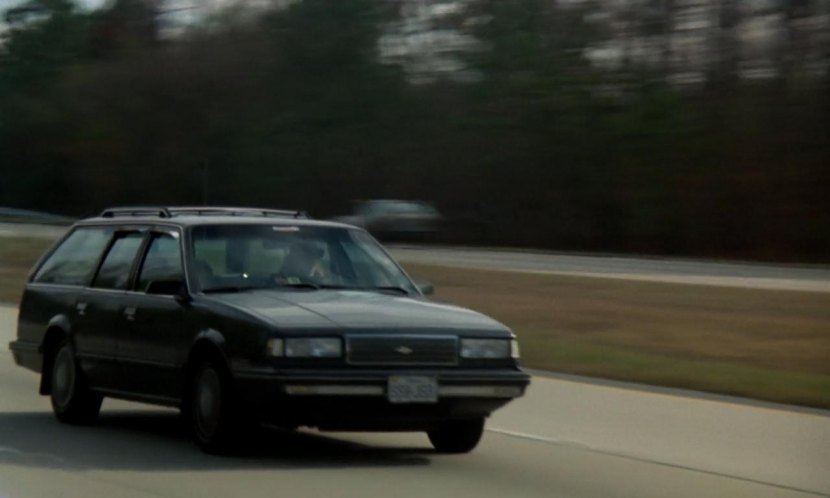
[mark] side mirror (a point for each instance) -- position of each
(175, 288)
(424, 286)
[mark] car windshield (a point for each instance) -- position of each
(242, 257)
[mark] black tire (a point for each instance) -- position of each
(72, 401)
(460, 436)
(213, 412)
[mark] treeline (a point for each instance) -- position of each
(296, 107)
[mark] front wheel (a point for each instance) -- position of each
(460, 436)
(72, 401)
(214, 417)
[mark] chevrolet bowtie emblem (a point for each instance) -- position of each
(404, 350)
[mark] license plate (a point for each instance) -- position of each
(407, 389)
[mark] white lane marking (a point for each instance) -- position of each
(644, 459)
(34, 456)
(543, 439)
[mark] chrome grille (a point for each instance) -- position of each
(402, 350)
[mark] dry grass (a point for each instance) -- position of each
(17, 256)
(767, 344)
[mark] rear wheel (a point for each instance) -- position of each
(72, 401)
(459, 436)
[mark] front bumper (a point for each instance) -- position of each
(357, 399)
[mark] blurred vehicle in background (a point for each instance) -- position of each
(392, 219)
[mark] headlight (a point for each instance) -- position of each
(486, 348)
(313, 347)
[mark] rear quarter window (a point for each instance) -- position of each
(73, 262)
(115, 270)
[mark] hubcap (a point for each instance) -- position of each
(63, 377)
(208, 402)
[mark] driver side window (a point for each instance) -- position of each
(163, 261)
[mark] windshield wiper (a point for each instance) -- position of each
(393, 288)
(311, 285)
(299, 285)
(228, 288)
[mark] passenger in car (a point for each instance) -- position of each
(204, 273)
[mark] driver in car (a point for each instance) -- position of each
(303, 262)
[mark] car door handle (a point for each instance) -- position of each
(81, 307)
(129, 313)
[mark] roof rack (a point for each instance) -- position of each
(169, 212)
(237, 211)
(161, 212)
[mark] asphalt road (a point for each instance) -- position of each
(568, 437)
(731, 274)
(31, 230)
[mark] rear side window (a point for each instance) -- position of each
(115, 270)
(73, 262)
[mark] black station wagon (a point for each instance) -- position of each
(240, 316)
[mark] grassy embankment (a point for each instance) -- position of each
(17, 255)
(769, 345)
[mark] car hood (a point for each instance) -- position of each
(349, 309)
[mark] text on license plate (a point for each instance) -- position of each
(412, 389)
